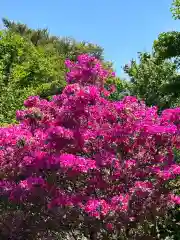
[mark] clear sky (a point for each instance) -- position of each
(121, 27)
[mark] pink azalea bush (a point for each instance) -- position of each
(82, 162)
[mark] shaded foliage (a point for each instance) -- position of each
(167, 45)
(149, 80)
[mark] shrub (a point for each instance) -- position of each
(86, 165)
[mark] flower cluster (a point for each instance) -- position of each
(85, 156)
(87, 71)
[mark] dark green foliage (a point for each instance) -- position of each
(149, 80)
(122, 89)
(167, 45)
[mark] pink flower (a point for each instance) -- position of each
(31, 182)
(109, 226)
(67, 160)
(145, 186)
(175, 169)
(129, 164)
(77, 163)
(120, 202)
(32, 101)
(175, 199)
(97, 208)
(86, 156)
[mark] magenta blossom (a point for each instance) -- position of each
(85, 162)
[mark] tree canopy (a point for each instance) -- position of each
(149, 80)
(32, 63)
(175, 9)
(66, 46)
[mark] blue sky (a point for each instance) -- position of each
(121, 27)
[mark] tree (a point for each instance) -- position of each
(66, 46)
(149, 79)
(167, 47)
(176, 9)
(26, 70)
